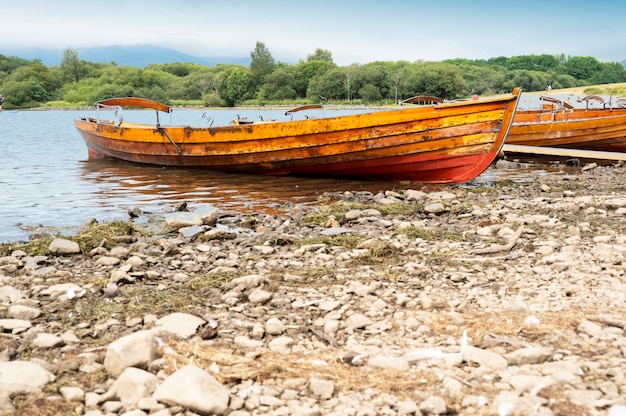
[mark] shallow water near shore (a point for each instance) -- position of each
(46, 179)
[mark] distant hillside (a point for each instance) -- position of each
(140, 56)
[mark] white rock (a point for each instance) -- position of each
(244, 341)
(259, 296)
(389, 362)
(108, 261)
(45, 340)
(135, 261)
(178, 220)
(112, 407)
(281, 345)
(434, 405)
(61, 290)
(414, 195)
(62, 247)
(274, 326)
(331, 327)
(265, 250)
(527, 383)
(353, 214)
(182, 325)
(436, 208)
(14, 325)
(484, 357)
(407, 407)
(119, 251)
(250, 281)
(72, 394)
(358, 321)
(23, 312)
(10, 294)
(324, 389)
(195, 389)
(590, 328)
(531, 355)
(207, 213)
(617, 410)
(135, 350)
(23, 377)
(132, 385)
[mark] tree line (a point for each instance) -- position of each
(76, 82)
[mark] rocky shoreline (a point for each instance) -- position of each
(499, 300)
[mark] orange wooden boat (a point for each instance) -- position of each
(442, 143)
(598, 126)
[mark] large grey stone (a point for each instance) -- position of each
(132, 385)
(135, 350)
(182, 325)
(62, 247)
(195, 389)
(23, 377)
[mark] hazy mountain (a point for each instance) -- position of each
(140, 56)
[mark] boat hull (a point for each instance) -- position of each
(446, 143)
(596, 129)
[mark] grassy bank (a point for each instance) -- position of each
(617, 89)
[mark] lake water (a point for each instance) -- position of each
(46, 179)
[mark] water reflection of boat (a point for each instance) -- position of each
(123, 185)
(443, 143)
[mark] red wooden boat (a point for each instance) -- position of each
(441, 143)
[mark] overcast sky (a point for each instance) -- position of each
(354, 31)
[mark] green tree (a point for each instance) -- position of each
(261, 64)
(330, 85)
(9, 64)
(109, 91)
(396, 76)
(533, 62)
(199, 83)
(279, 85)
(547, 63)
(435, 78)
(237, 86)
(305, 71)
(322, 55)
(483, 80)
(527, 80)
(348, 82)
(519, 62)
(582, 67)
(25, 93)
(39, 82)
(497, 61)
(177, 68)
(562, 81)
(609, 73)
(374, 74)
(70, 69)
(370, 93)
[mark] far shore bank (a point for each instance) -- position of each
(573, 91)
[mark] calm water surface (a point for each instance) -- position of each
(46, 179)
